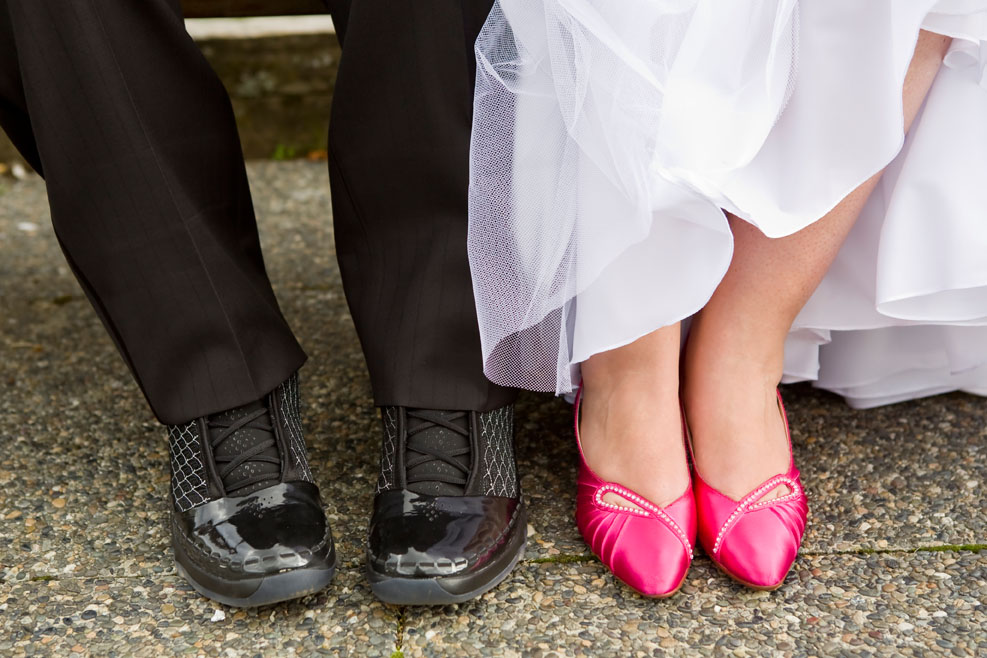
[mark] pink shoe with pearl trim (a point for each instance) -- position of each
(647, 547)
(754, 541)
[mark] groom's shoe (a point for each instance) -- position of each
(448, 521)
(247, 525)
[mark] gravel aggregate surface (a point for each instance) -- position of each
(85, 566)
(904, 604)
(164, 616)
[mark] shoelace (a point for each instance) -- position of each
(231, 463)
(427, 453)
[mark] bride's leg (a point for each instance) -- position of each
(734, 356)
(631, 427)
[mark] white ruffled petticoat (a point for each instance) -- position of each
(609, 135)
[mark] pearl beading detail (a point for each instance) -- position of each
(650, 509)
(749, 503)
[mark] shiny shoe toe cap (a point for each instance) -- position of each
(279, 528)
(423, 536)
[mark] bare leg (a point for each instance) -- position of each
(631, 431)
(734, 358)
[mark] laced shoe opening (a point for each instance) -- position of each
(438, 452)
(244, 448)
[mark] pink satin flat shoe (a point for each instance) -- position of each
(649, 549)
(754, 542)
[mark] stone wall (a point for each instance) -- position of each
(281, 88)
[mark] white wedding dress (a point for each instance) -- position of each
(609, 135)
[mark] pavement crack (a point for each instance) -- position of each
(575, 558)
(561, 559)
(399, 639)
(943, 548)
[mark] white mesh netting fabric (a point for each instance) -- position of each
(608, 137)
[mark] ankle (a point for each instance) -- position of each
(748, 355)
(627, 409)
(726, 394)
(739, 438)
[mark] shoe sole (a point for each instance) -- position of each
(431, 591)
(445, 590)
(261, 589)
(272, 588)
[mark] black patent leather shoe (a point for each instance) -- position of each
(448, 521)
(248, 527)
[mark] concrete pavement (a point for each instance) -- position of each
(893, 564)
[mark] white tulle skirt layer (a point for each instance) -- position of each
(609, 137)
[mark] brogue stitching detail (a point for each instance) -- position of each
(188, 479)
(291, 413)
(499, 470)
(388, 456)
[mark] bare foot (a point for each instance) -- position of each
(633, 439)
(737, 429)
(631, 421)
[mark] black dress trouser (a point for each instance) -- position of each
(113, 103)
(398, 160)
